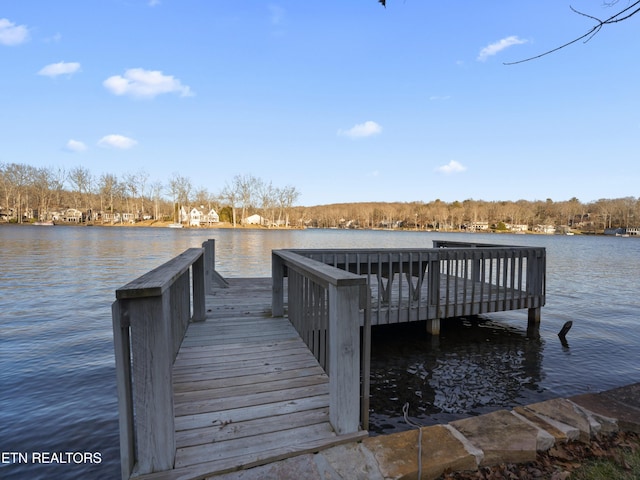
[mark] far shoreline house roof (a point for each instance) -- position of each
(254, 219)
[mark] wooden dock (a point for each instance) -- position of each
(216, 375)
(247, 390)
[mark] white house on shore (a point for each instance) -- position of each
(255, 219)
(518, 227)
(198, 218)
(546, 229)
(72, 215)
(479, 226)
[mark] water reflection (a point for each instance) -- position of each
(474, 367)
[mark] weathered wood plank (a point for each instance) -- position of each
(236, 401)
(186, 378)
(230, 381)
(252, 390)
(220, 432)
(253, 446)
(276, 409)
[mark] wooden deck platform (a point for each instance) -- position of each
(247, 390)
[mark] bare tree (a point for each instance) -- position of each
(107, 189)
(6, 185)
(286, 198)
(156, 195)
(230, 196)
(42, 187)
(245, 187)
(19, 177)
(141, 178)
(58, 177)
(81, 182)
(180, 189)
(267, 196)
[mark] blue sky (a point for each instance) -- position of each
(345, 100)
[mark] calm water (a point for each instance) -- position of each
(56, 355)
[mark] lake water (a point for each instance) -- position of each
(57, 374)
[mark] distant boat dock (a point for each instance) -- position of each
(215, 375)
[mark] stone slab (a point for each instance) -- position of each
(560, 432)
(289, 469)
(621, 404)
(397, 454)
(501, 436)
(565, 412)
(349, 462)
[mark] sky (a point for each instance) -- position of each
(347, 101)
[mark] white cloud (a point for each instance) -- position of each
(451, 167)
(75, 146)
(61, 68)
(12, 34)
(141, 83)
(117, 141)
(498, 46)
(153, 3)
(361, 130)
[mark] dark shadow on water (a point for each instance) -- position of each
(476, 366)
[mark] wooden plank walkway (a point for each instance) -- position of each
(247, 390)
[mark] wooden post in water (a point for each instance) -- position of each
(433, 324)
(344, 358)
(535, 285)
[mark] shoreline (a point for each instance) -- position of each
(228, 225)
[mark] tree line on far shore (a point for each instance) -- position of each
(28, 193)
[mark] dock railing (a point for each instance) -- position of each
(150, 317)
(515, 275)
(325, 305)
(453, 279)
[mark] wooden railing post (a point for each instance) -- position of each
(535, 284)
(121, 342)
(344, 358)
(199, 289)
(277, 289)
(152, 352)
(209, 247)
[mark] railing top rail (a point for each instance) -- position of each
(454, 244)
(319, 272)
(457, 246)
(155, 282)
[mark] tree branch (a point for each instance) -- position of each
(622, 15)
